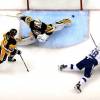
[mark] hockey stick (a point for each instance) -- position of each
(24, 63)
(16, 16)
(9, 16)
(93, 40)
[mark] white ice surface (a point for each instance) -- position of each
(44, 81)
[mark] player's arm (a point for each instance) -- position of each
(8, 51)
(23, 18)
(26, 19)
(4, 42)
(31, 35)
(19, 39)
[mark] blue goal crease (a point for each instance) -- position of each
(71, 35)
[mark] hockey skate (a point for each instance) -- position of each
(61, 67)
(64, 21)
(78, 88)
(11, 59)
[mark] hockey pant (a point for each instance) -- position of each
(88, 64)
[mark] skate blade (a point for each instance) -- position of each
(77, 90)
(59, 68)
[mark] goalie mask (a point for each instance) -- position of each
(28, 20)
(37, 23)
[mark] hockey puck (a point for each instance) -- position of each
(73, 16)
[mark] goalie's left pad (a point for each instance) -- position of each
(42, 37)
(64, 21)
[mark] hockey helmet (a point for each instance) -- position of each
(13, 32)
(37, 23)
(28, 20)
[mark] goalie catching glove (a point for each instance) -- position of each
(42, 37)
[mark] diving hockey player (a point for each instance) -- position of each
(42, 31)
(8, 46)
(88, 64)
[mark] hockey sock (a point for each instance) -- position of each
(78, 86)
(83, 80)
(73, 67)
(11, 59)
(70, 67)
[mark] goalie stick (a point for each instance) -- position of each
(16, 16)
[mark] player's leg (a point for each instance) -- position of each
(61, 24)
(64, 21)
(59, 27)
(79, 66)
(11, 57)
(84, 79)
(26, 40)
(3, 55)
(0, 55)
(87, 74)
(69, 67)
(79, 85)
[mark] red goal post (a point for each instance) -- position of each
(81, 4)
